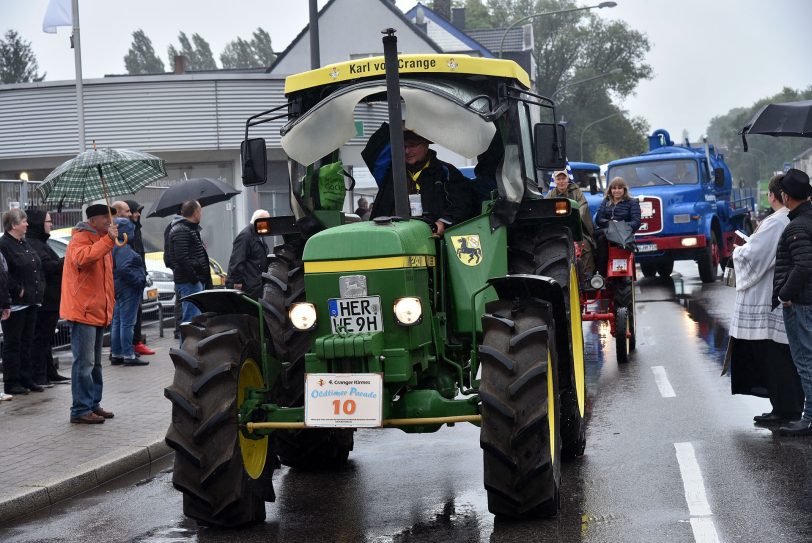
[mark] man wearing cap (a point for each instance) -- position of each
(87, 304)
(565, 189)
(138, 245)
(792, 287)
(438, 192)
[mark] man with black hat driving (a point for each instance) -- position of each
(438, 192)
(792, 287)
(87, 304)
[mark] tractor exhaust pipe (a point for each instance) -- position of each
(390, 57)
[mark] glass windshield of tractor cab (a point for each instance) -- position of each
(661, 172)
(435, 109)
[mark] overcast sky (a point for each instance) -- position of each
(708, 55)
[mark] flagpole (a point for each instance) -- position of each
(77, 55)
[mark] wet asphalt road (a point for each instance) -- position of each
(671, 456)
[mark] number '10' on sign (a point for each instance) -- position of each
(347, 407)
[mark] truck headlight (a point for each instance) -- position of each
(302, 316)
(408, 311)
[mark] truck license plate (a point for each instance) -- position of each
(646, 247)
(343, 400)
(355, 315)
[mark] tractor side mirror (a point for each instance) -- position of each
(719, 177)
(550, 146)
(593, 185)
(254, 157)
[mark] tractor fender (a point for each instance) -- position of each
(223, 301)
(524, 286)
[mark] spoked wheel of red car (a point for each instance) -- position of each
(622, 341)
(709, 260)
(520, 435)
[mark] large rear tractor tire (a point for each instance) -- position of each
(520, 409)
(301, 449)
(551, 253)
(225, 478)
(709, 261)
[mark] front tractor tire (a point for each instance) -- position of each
(551, 253)
(220, 353)
(301, 449)
(520, 433)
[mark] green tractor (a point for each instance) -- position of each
(381, 323)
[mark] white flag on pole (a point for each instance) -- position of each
(58, 14)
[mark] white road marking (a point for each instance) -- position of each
(662, 381)
(701, 521)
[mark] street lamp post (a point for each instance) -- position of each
(556, 12)
(590, 125)
(614, 71)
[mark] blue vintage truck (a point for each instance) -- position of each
(690, 210)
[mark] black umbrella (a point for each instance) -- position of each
(204, 190)
(787, 119)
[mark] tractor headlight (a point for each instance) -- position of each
(302, 316)
(408, 311)
(596, 281)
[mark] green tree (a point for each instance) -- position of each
(141, 58)
(766, 154)
(18, 64)
(257, 53)
(477, 14)
(197, 52)
(571, 47)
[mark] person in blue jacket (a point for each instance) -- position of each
(130, 277)
(618, 205)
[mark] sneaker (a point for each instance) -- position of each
(46, 384)
(16, 389)
(116, 360)
(33, 387)
(5, 397)
(140, 348)
(797, 428)
(88, 418)
(135, 362)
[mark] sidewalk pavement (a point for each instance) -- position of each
(44, 458)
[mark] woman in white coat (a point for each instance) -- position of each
(761, 364)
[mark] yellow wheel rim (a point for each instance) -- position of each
(577, 339)
(551, 406)
(254, 451)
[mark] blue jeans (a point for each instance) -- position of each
(86, 373)
(189, 309)
(125, 314)
(798, 321)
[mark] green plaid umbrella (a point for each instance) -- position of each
(100, 173)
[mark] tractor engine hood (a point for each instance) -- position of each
(436, 110)
(371, 241)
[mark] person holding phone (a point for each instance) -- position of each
(761, 363)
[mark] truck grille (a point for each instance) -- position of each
(651, 215)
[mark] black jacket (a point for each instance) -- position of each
(249, 258)
(793, 260)
(445, 194)
(625, 210)
(190, 262)
(51, 263)
(26, 282)
(138, 242)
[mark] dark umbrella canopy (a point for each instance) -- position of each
(203, 189)
(787, 119)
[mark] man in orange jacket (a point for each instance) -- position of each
(87, 304)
